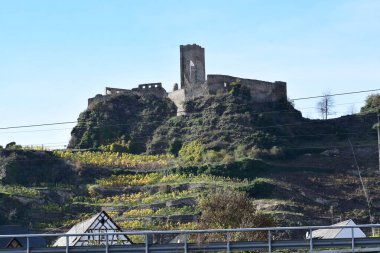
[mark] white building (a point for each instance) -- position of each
(99, 223)
(337, 232)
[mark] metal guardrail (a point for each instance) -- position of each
(352, 244)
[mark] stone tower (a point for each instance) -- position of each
(192, 65)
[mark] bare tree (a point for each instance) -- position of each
(325, 105)
(351, 110)
(227, 208)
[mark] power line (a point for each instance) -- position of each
(47, 143)
(264, 127)
(126, 124)
(144, 137)
(38, 125)
(351, 103)
(282, 111)
(73, 122)
(336, 94)
(33, 131)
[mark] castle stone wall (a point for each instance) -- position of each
(97, 98)
(261, 91)
(195, 85)
(196, 91)
(190, 75)
(155, 89)
(111, 91)
(178, 97)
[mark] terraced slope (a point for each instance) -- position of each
(294, 195)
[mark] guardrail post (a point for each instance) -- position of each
(269, 241)
(27, 244)
(185, 243)
(67, 244)
(228, 242)
(106, 243)
(352, 240)
(311, 240)
(146, 244)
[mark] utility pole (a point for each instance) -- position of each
(332, 214)
(369, 204)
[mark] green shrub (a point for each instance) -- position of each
(227, 158)
(29, 168)
(235, 87)
(372, 103)
(276, 152)
(255, 152)
(175, 146)
(192, 152)
(259, 188)
(246, 168)
(13, 146)
(240, 152)
(212, 156)
(115, 147)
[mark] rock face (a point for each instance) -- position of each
(145, 122)
(126, 118)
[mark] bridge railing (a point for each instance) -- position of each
(347, 244)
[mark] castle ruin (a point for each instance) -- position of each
(194, 83)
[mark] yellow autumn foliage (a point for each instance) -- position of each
(116, 159)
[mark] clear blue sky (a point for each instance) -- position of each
(56, 54)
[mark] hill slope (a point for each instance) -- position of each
(311, 179)
(140, 124)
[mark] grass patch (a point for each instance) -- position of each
(245, 169)
(274, 213)
(154, 179)
(167, 211)
(18, 190)
(135, 199)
